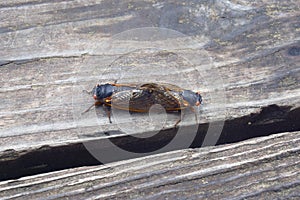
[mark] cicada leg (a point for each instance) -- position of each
(96, 104)
(107, 110)
(193, 110)
(183, 114)
(184, 104)
(179, 120)
(87, 110)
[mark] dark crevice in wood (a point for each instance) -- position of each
(35, 59)
(4, 62)
(271, 120)
(28, 3)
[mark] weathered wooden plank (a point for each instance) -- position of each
(36, 94)
(236, 171)
(52, 50)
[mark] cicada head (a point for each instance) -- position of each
(193, 98)
(102, 91)
(199, 99)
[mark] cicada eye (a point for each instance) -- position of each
(94, 92)
(199, 97)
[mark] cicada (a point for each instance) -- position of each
(135, 97)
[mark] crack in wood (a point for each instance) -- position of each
(271, 120)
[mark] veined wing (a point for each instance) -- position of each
(136, 100)
(169, 99)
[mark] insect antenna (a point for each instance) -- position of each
(88, 92)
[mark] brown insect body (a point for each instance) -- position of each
(140, 97)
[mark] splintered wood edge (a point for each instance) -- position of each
(256, 168)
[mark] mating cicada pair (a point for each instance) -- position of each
(140, 97)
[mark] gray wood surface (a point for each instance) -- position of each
(51, 51)
(242, 56)
(238, 171)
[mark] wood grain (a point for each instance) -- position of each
(50, 48)
(242, 56)
(236, 171)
